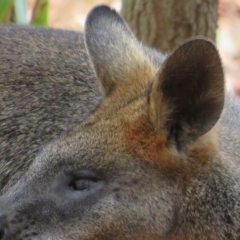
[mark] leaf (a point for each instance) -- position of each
(40, 13)
(5, 6)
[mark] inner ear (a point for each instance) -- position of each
(188, 93)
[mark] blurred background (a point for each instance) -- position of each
(156, 22)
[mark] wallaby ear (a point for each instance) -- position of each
(187, 97)
(114, 51)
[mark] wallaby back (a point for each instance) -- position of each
(46, 86)
(154, 160)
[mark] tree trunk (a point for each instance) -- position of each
(163, 24)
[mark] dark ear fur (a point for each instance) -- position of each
(116, 54)
(188, 93)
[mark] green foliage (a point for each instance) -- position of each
(5, 7)
(16, 11)
(40, 13)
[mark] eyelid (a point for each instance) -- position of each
(74, 185)
(82, 174)
(61, 185)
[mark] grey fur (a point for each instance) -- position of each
(46, 86)
(137, 185)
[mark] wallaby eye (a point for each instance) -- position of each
(83, 184)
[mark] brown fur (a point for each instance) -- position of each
(151, 146)
(156, 160)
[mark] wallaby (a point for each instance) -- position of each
(46, 86)
(158, 159)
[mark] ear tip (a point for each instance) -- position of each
(100, 12)
(200, 49)
(200, 42)
(200, 39)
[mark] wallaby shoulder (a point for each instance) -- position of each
(47, 85)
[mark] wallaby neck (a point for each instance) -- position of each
(211, 203)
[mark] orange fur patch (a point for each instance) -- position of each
(149, 145)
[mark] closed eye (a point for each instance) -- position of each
(83, 184)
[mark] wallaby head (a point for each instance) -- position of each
(127, 172)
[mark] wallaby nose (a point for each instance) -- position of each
(3, 226)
